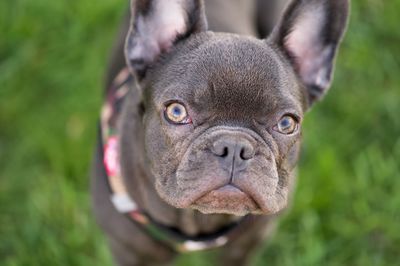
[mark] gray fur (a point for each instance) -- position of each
(236, 88)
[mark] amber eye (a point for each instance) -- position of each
(287, 125)
(176, 113)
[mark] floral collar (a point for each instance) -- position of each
(119, 195)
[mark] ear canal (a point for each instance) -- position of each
(156, 25)
(309, 34)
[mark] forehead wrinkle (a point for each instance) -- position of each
(247, 84)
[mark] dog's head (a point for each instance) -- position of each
(222, 113)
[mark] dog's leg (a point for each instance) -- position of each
(240, 251)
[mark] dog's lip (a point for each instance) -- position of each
(224, 188)
(229, 189)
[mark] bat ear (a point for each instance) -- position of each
(156, 25)
(309, 34)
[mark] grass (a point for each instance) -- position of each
(52, 59)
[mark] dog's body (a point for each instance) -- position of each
(235, 152)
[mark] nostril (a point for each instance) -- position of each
(242, 155)
(246, 153)
(225, 152)
(220, 149)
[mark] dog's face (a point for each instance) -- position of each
(222, 113)
(222, 125)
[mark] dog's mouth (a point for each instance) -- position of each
(228, 199)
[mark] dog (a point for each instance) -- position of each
(200, 133)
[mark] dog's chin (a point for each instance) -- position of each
(226, 200)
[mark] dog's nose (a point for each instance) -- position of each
(233, 150)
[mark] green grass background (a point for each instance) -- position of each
(52, 61)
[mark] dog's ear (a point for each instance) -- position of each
(309, 34)
(156, 25)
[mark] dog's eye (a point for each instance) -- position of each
(176, 113)
(287, 125)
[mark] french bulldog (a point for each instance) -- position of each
(210, 127)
